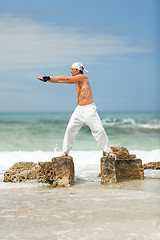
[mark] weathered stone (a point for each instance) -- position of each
(132, 156)
(59, 172)
(129, 169)
(45, 172)
(152, 165)
(121, 152)
(117, 170)
(108, 171)
(21, 171)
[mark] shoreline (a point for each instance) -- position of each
(128, 211)
(150, 184)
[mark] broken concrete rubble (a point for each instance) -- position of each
(114, 171)
(21, 171)
(152, 165)
(60, 171)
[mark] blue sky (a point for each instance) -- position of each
(117, 41)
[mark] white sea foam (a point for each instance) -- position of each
(147, 156)
(81, 158)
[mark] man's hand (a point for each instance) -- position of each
(39, 78)
(44, 79)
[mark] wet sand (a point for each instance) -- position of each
(124, 211)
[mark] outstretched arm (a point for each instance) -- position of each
(64, 79)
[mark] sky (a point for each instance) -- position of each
(117, 41)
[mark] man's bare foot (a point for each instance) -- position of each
(64, 154)
(110, 154)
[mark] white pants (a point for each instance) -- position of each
(86, 115)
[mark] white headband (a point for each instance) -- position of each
(79, 66)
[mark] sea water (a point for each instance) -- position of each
(127, 210)
(30, 132)
(39, 137)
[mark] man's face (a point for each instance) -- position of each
(74, 71)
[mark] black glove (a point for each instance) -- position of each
(45, 78)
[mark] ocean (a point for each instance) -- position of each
(45, 131)
(71, 213)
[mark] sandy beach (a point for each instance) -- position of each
(124, 211)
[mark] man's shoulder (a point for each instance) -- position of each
(82, 77)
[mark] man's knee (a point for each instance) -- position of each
(69, 128)
(99, 131)
(72, 129)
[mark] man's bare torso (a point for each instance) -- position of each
(83, 88)
(84, 92)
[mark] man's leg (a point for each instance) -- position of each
(95, 124)
(72, 130)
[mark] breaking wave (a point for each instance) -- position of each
(131, 123)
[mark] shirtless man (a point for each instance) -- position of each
(85, 112)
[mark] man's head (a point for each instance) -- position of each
(77, 68)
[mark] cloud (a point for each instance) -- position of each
(27, 44)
